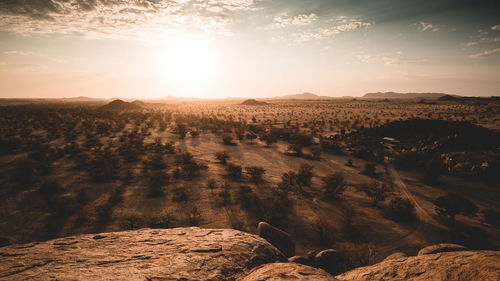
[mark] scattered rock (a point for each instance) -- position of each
(145, 254)
(277, 237)
(287, 271)
(396, 255)
(441, 248)
(465, 265)
(328, 260)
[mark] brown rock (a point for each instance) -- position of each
(277, 237)
(170, 254)
(328, 260)
(440, 248)
(396, 255)
(287, 271)
(301, 260)
(465, 265)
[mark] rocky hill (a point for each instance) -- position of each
(253, 102)
(193, 253)
(119, 105)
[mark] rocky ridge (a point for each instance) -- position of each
(194, 253)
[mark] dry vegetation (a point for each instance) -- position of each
(317, 169)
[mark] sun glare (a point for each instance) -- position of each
(189, 60)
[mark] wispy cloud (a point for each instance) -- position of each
(485, 53)
(301, 19)
(425, 26)
(388, 59)
(331, 28)
(139, 19)
(19, 53)
(496, 27)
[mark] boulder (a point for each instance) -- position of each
(441, 248)
(396, 255)
(301, 260)
(328, 260)
(189, 253)
(287, 271)
(450, 266)
(277, 237)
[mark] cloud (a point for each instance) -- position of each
(334, 27)
(485, 53)
(388, 59)
(284, 20)
(424, 26)
(496, 27)
(19, 53)
(139, 19)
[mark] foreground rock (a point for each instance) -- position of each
(147, 254)
(451, 266)
(287, 271)
(277, 237)
(441, 248)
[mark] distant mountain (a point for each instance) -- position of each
(305, 96)
(253, 102)
(81, 99)
(394, 95)
(119, 105)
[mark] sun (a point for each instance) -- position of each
(189, 60)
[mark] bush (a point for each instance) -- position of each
(304, 175)
(369, 170)
(324, 231)
(234, 171)
(255, 173)
(50, 189)
(222, 156)
(211, 184)
(354, 255)
(492, 217)
(162, 220)
(377, 192)
(228, 140)
(334, 185)
(193, 216)
(401, 210)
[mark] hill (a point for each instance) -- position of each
(253, 102)
(119, 105)
(304, 96)
(394, 95)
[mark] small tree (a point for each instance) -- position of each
(451, 205)
(234, 171)
(255, 173)
(304, 175)
(316, 152)
(288, 180)
(251, 137)
(334, 185)
(222, 156)
(228, 140)
(369, 169)
(401, 210)
(377, 192)
(295, 149)
(181, 129)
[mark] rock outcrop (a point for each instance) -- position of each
(146, 254)
(441, 248)
(451, 266)
(277, 237)
(288, 271)
(193, 253)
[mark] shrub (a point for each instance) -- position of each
(334, 185)
(451, 205)
(377, 192)
(234, 171)
(228, 139)
(179, 194)
(222, 156)
(492, 217)
(181, 129)
(162, 220)
(369, 170)
(324, 231)
(211, 184)
(353, 255)
(131, 220)
(401, 209)
(50, 189)
(193, 216)
(304, 175)
(288, 181)
(255, 173)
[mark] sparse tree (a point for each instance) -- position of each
(377, 192)
(334, 185)
(255, 173)
(222, 156)
(452, 204)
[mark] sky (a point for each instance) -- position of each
(150, 49)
